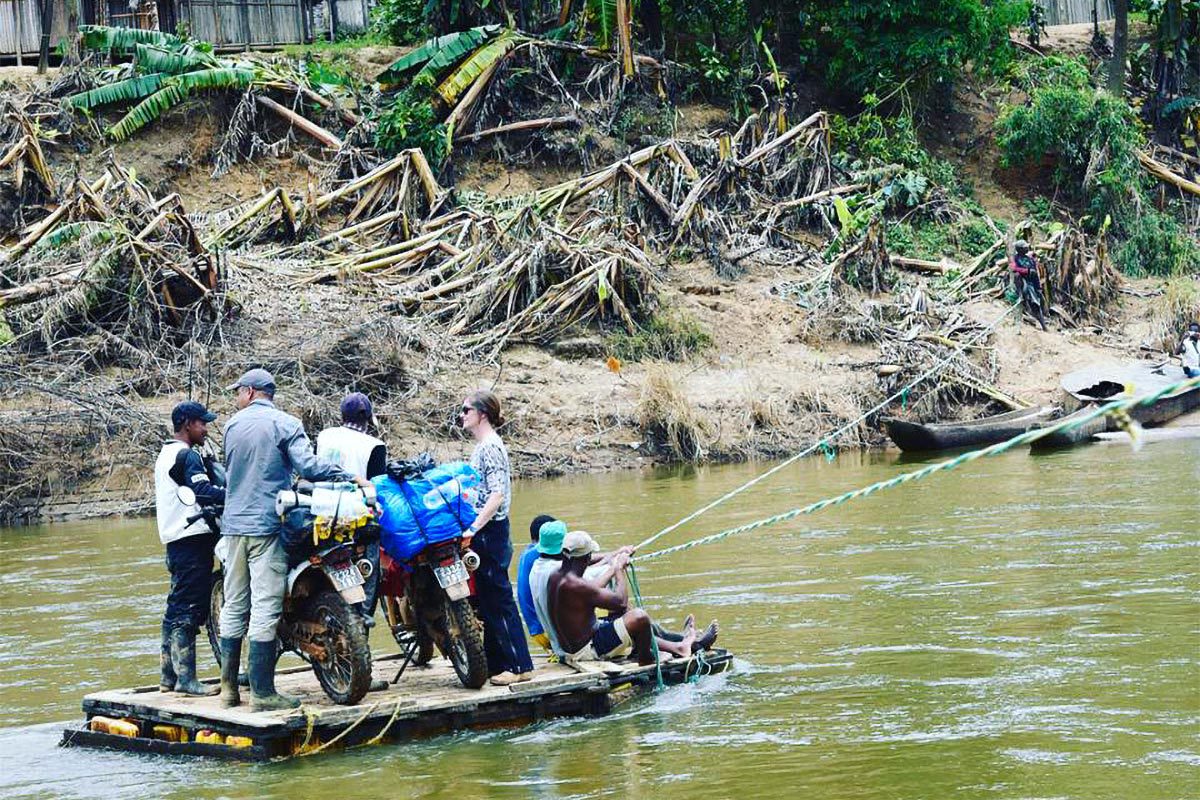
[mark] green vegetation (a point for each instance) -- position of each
(673, 336)
(1091, 139)
(399, 21)
(410, 120)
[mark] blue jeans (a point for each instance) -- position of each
(190, 562)
(503, 633)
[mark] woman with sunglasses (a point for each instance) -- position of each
(503, 635)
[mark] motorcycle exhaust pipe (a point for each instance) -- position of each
(470, 560)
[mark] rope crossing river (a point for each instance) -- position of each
(823, 443)
(1117, 408)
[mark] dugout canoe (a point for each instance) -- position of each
(1103, 384)
(915, 437)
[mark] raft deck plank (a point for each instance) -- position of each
(426, 701)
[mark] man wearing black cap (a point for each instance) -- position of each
(189, 545)
(263, 448)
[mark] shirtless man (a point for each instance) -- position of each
(568, 602)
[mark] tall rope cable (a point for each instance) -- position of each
(825, 441)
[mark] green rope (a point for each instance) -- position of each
(637, 599)
(1115, 408)
(852, 424)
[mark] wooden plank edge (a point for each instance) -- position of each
(141, 744)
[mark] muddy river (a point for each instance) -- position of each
(1027, 627)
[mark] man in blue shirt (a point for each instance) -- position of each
(524, 595)
(263, 447)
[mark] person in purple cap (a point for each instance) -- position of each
(190, 545)
(362, 455)
(350, 445)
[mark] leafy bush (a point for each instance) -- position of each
(410, 120)
(400, 21)
(869, 45)
(1156, 244)
(1092, 139)
(666, 337)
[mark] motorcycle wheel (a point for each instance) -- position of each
(462, 643)
(212, 627)
(345, 673)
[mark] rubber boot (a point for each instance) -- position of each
(166, 681)
(263, 696)
(183, 656)
(231, 659)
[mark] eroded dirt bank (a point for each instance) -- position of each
(764, 374)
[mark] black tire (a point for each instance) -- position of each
(463, 643)
(345, 674)
(213, 626)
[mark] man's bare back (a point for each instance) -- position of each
(574, 601)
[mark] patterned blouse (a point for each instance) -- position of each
(490, 460)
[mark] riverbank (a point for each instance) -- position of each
(745, 346)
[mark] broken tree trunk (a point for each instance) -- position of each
(545, 123)
(1164, 173)
(307, 126)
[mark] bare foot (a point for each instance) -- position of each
(706, 639)
(689, 624)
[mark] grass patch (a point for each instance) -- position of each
(672, 426)
(675, 336)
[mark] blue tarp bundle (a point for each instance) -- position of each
(418, 512)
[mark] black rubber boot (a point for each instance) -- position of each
(166, 681)
(231, 659)
(183, 656)
(263, 696)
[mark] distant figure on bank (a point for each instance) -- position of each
(567, 602)
(503, 636)
(189, 546)
(1189, 350)
(1024, 265)
(524, 595)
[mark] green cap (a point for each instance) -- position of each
(550, 537)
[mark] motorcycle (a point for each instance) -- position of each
(426, 595)
(327, 528)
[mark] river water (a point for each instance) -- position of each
(1025, 627)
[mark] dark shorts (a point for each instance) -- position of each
(605, 638)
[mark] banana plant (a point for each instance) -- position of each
(124, 40)
(437, 54)
(171, 68)
(175, 89)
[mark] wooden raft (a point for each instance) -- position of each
(426, 701)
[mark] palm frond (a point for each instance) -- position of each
(118, 92)
(478, 63)
(172, 61)
(123, 40)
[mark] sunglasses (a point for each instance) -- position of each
(462, 412)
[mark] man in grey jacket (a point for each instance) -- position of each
(263, 448)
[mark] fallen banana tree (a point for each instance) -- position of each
(110, 256)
